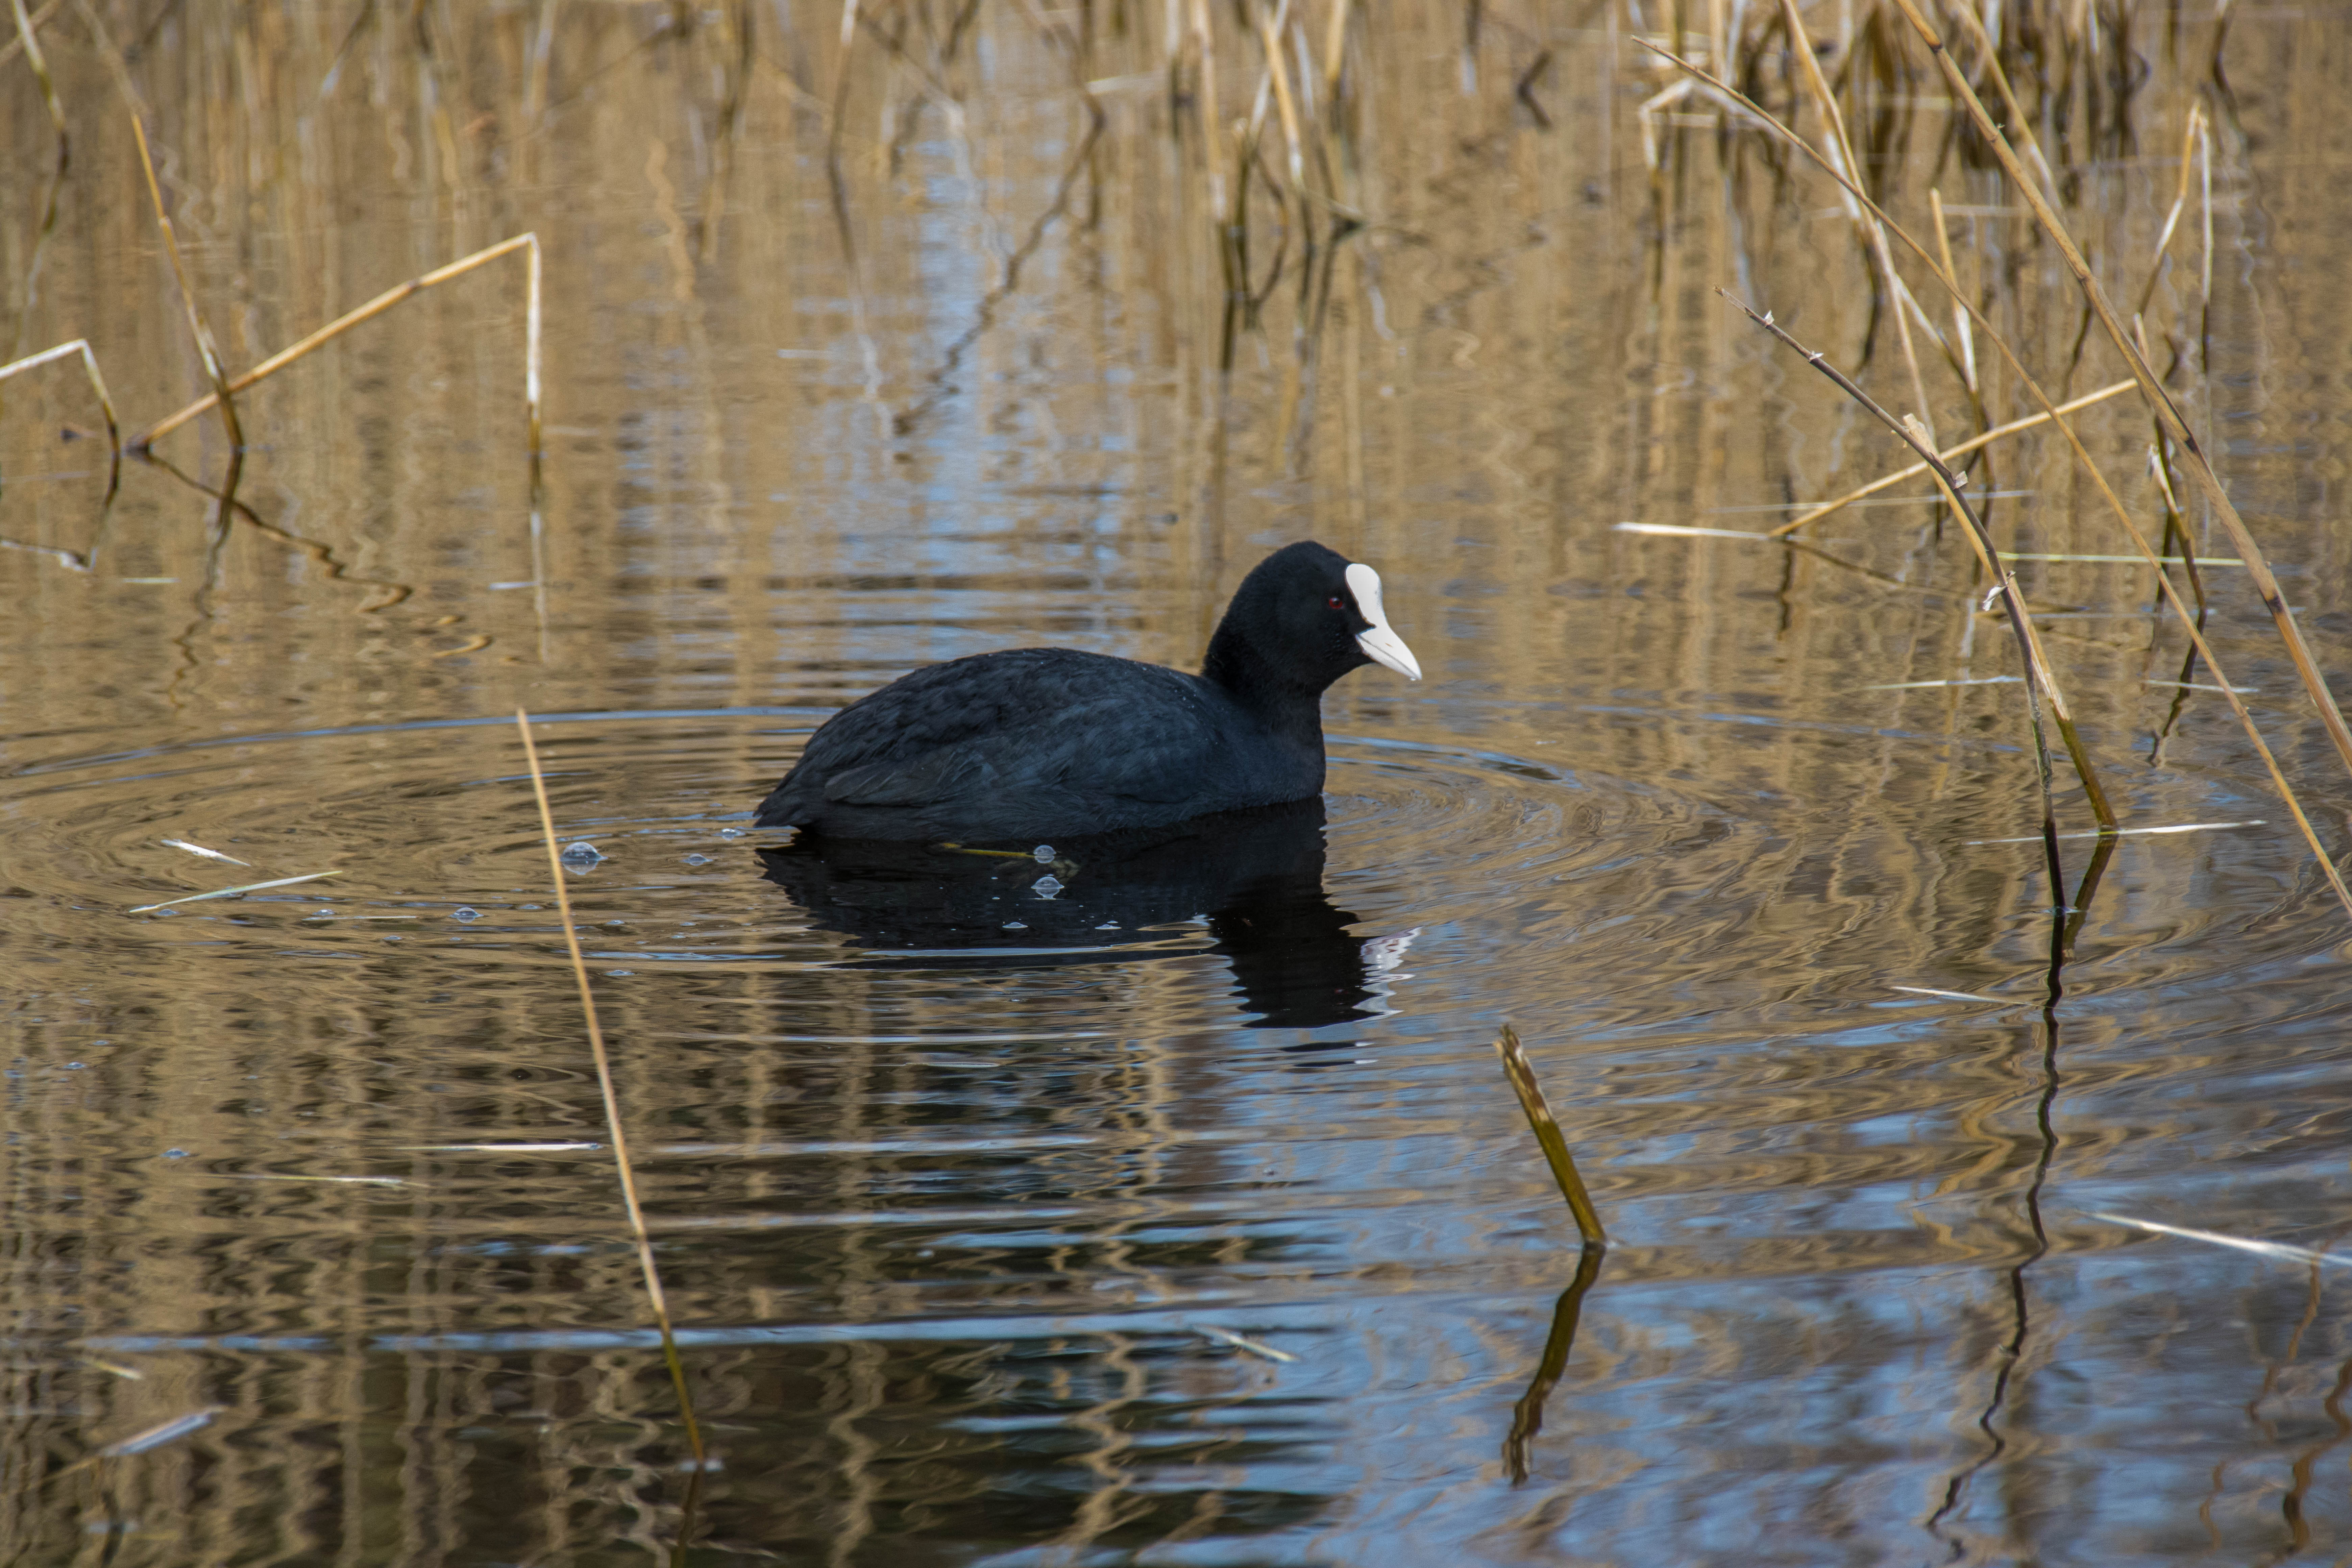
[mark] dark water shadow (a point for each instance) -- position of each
(1254, 878)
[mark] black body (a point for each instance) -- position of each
(1036, 743)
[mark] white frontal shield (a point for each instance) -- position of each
(1380, 642)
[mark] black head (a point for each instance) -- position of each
(1305, 617)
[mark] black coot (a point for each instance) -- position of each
(1038, 741)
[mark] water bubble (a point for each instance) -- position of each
(1047, 886)
(623, 973)
(1016, 925)
(175, 1153)
(697, 859)
(73, 1067)
(1108, 925)
(581, 856)
(730, 833)
(1043, 854)
(465, 912)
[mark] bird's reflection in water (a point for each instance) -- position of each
(1256, 877)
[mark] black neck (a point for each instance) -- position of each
(1289, 707)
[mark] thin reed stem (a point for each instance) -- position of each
(1801, 46)
(526, 243)
(1949, 454)
(28, 39)
(2040, 682)
(97, 385)
(202, 333)
(2190, 621)
(2168, 415)
(629, 1202)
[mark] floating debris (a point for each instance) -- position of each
(2120, 832)
(1947, 996)
(1239, 1342)
(365, 1181)
(2132, 560)
(2276, 1249)
(116, 1368)
(1680, 531)
(232, 892)
(207, 853)
(156, 1437)
(493, 1147)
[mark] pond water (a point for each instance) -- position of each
(1181, 1215)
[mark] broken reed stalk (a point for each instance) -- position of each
(2189, 620)
(2160, 403)
(635, 1210)
(1949, 453)
(2041, 683)
(203, 334)
(97, 385)
(526, 243)
(1522, 1075)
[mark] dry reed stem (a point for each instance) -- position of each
(1887, 482)
(2168, 415)
(2192, 132)
(2082, 455)
(1801, 45)
(1549, 1136)
(1213, 128)
(1335, 55)
(28, 39)
(2041, 680)
(635, 1210)
(1269, 36)
(1962, 333)
(40, 18)
(1991, 58)
(201, 333)
(528, 243)
(89, 368)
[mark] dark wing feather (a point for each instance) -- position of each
(1033, 720)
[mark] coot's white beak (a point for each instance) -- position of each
(1380, 642)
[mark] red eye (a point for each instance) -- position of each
(1336, 602)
